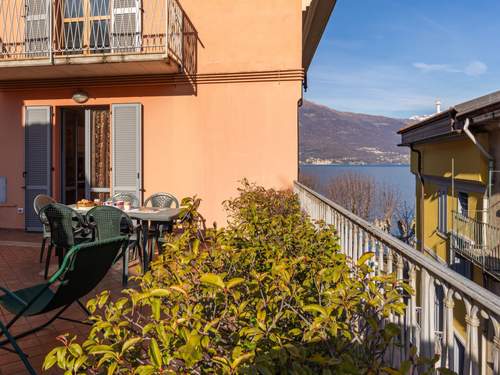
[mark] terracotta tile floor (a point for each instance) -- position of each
(20, 267)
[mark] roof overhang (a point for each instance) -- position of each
(315, 16)
(481, 112)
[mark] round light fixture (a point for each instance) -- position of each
(80, 97)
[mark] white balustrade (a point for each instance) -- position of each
(420, 321)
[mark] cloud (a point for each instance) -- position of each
(427, 68)
(473, 69)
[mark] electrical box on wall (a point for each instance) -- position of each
(3, 189)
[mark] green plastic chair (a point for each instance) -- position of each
(67, 228)
(157, 229)
(83, 267)
(126, 197)
(40, 202)
(108, 222)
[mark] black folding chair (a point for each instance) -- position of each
(83, 267)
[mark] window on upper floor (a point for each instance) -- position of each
(463, 204)
(442, 211)
(462, 266)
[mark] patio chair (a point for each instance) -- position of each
(67, 228)
(126, 197)
(82, 269)
(108, 222)
(40, 202)
(160, 200)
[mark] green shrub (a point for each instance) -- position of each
(270, 293)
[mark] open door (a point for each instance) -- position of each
(127, 148)
(38, 161)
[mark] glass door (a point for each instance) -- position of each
(86, 26)
(73, 155)
(86, 154)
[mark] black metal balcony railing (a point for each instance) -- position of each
(443, 296)
(34, 30)
(477, 241)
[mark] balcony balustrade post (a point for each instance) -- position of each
(400, 349)
(349, 238)
(496, 345)
(449, 330)
(471, 362)
(380, 257)
(342, 235)
(355, 237)
(389, 270)
(412, 307)
(426, 304)
(373, 249)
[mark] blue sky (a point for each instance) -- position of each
(395, 57)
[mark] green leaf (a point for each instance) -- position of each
(365, 257)
(112, 368)
(50, 359)
(155, 354)
(212, 280)
(160, 293)
(242, 358)
(234, 282)
(316, 308)
(130, 343)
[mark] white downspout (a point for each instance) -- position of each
(490, 169)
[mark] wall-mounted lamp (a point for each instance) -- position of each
(80, 97)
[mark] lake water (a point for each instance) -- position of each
(398, 176)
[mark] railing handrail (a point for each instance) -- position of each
(470, 289)
(472, 220)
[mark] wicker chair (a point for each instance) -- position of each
(160, 200)
(40, 202)
(67, 228)
(109, 222)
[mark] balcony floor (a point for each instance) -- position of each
(19, 267)
(87, 66)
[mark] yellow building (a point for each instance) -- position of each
(455, 157)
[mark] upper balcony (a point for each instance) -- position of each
(477, 240)
(43, 39)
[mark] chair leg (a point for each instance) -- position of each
(125, 266)
(42, 250)
(18, 350)
(47, 261)
(36, 329)
(83, 307)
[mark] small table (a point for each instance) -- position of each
(144, 215)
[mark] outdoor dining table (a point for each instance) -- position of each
(144, 215)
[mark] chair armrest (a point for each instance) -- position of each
(15, 296)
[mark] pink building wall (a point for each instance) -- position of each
(195, 142)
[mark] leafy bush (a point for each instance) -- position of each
(270, 293)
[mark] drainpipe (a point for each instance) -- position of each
(491, 162)
(420, 224)
(486, 202)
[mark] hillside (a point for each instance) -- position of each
(328, 136)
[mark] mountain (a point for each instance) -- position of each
(328, 136)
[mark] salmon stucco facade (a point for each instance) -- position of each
(103, 100)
